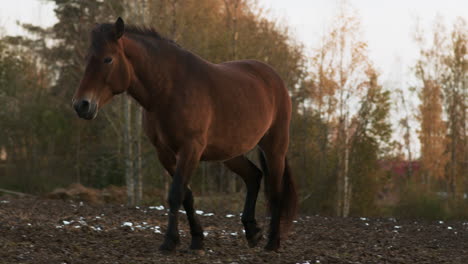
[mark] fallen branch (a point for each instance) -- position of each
(15, 193)
(305, 198)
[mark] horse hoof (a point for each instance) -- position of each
(253, 241)
(272, 246)
(165, 249)
(197, 243)
(168, 246)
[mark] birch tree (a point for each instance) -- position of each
(133, 122)
(340, 67)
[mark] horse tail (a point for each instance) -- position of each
(288, 200)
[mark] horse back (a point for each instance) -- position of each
(248, 98)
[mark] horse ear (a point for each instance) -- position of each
(119, 28)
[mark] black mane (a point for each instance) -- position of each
(103, 32)
(145, 31)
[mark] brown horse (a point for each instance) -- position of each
(196, 111)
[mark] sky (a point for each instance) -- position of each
(387, 25)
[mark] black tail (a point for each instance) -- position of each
(289, 200)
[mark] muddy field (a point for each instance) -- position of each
(54, 231)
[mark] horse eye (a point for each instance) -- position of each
(107, 60)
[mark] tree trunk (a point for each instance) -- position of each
(137, 157)
(347, 184)
(340, 182)
(344, 188)
(78, 159)
(127, 145)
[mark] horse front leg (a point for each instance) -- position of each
(195, 227)
(187, 160)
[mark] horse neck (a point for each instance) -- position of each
(154, 75)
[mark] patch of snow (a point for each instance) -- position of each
(98, 217)
(4, 201)
(67, 222)
(77, 226)
(159, 207)
(128, 224)
(29, 224)
(82, 222)
(205, 233)
(229, 215)
(363, 219)
(208, 214)
(157, 230)
(233, 234)
(199, 212)
(96, 228)
(367, 224)
(59, 226)
(441, 222)
(182, 211)
(81, 204)
(449, 228)
(397, 227)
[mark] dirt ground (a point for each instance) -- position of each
(55, 231)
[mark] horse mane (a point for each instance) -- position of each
(140, 31)
(144, 31)
(147, 32)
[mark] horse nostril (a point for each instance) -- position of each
(85, 105)
(82, 106)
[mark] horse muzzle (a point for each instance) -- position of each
(85, 109)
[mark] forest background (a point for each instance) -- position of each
(349, 155)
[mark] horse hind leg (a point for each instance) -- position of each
(274, 165)
(252, 178)
(279, 186)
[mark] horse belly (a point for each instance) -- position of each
(235, 137)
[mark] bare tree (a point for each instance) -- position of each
(340, 70)
(232, 7)
(431, 72)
